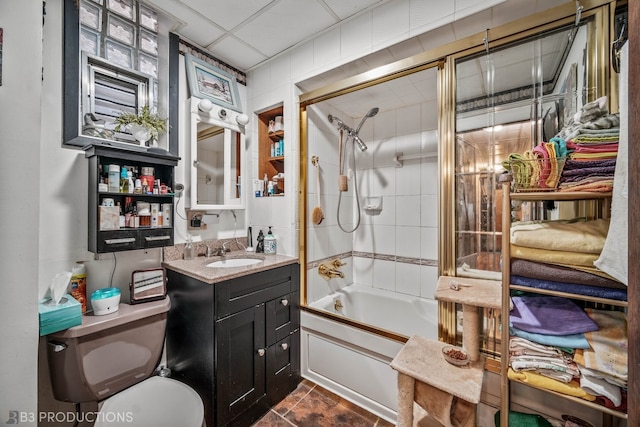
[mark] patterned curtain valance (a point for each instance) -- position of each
(186, 47)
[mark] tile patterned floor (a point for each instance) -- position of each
(310, 405)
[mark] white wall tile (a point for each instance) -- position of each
(429, 243)
(408, 178)
(363, 271)
(326, 48)
(383, 239)
(408, 211)
(429, 210)
(384, 274)
(428, 281)
(408, 241)
(408, 279)
(390, 23)
(355, 36)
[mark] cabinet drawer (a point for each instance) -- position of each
(283, 368)
(239, 294)
(282, 315)
(117, 240)
(156, 237)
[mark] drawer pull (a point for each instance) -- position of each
(284, 302)
(284, 345)
(120, 241)
(156, 238)
(261, 352)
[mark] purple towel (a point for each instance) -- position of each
(543, 314)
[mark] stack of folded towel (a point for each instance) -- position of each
(544, 255)
(592, 145)
(545, 331)
(603, 366)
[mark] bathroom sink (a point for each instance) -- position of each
(234, 262)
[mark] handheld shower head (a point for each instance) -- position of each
(372, 112)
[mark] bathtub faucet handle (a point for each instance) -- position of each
(337, 263)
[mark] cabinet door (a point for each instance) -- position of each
(283, 367)
(282, 317)
(241, 362)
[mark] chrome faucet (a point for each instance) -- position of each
(210, 252)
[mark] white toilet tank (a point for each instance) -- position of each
(107, 354)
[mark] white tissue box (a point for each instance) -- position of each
(109, 217)
(57, 317)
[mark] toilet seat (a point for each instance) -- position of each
(154, 402)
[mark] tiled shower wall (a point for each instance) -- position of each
(396, 247)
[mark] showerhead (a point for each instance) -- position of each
(361, 145)
(372, 112)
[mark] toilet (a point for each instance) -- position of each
(111, 360)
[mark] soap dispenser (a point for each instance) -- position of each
(188, 249)
(270, 243)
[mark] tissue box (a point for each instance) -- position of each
(57, 317)
(109, 217)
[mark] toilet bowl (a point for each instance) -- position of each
(111, 359)
(154, 402)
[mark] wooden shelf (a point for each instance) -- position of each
(268, 164)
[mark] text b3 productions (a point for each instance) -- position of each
(22, 417)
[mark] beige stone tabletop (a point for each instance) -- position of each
(422, 359)
(197, 267)
(474, 292)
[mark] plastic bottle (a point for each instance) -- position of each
(114, 178)
(130, 181)
(124, 180)
(270, 243)
(78, 284)
(260, 244)
(265, 184)
(270, 188)
(188, 249)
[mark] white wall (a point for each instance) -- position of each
(20, 172)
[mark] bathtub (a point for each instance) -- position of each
(353, 361)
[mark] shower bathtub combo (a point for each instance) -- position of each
(352, 361)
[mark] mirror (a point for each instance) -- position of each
(217, 156)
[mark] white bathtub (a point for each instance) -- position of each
(353, 362)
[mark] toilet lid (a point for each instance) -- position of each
(154, 402)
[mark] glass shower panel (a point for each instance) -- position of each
(507, 100)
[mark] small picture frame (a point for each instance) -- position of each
(148, 285)
(209, 82)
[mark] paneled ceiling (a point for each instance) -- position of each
(245, 33)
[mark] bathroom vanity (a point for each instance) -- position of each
(233, 335)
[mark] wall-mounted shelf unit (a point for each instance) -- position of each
(101, 240)
(271, 162)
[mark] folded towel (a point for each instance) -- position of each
(550, 315)
(572, 288)
(520, 347)
(608, 345)
(562, 235)
(572, 388)
(542, 271)
(552, 257)
(561, 341)
(593, 383)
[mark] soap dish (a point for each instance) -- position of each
(455, 355)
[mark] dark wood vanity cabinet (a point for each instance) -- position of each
(237, 342)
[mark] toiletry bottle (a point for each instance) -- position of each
(130, 181)
(124, 180)
(270, 188)
(270, 243)
(188, 249)
(265, 183)
(114, 178)
(260, 244)
(78, 284)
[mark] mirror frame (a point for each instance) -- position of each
(71, 87)
(204, 111)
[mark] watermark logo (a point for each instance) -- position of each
(26, 417)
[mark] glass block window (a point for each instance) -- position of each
(124, 32)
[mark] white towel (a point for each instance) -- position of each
(595, 384)
(613, 259)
